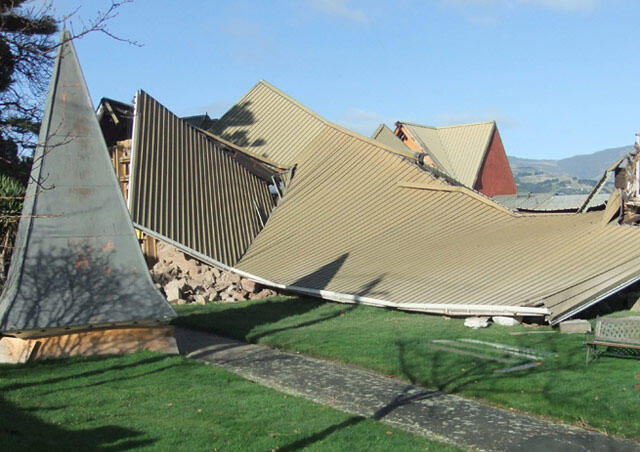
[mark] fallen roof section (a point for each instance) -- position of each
(192, 188)
(276, 126)
(362, 223)
(402, 243)
(76, 262)
(458, 150)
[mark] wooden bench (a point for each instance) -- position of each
(619, 337)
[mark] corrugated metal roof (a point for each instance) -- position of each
(548, 202)
(385, 135)
(361, 223)
(76, 262)
(274, 125)
(356, 222)
(193, 189)
(459, 150)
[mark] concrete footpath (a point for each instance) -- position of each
(440, 416)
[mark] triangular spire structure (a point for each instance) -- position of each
(76, 262)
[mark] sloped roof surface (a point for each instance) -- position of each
(459, 150)
(76, 262)
(547, 202)
(385, 135)
(273, 125)
(193, 189)
(352, 224)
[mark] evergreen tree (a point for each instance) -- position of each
(27, 41)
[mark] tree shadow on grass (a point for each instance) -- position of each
(56, 363)
(559, 386)
(21, 430)
(243, 321)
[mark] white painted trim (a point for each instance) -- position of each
(133, 146)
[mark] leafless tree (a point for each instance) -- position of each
(28, 42)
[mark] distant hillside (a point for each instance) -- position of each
(585, 166)
(572, 175)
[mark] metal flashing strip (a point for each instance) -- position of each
(464, 191)
(435, 308)
(243, 150)
(134, 142)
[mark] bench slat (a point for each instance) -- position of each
(613, 344)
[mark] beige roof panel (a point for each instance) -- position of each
(385, 135)
(403, 242)
(273, 125)
(193, 189)
(361, 223)
(458, 149)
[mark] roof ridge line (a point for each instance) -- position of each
(431, 155)
(408, 154)
(239, 148)
(466, 124)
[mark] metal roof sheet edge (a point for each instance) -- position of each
(493, 131)
(462, 189)
(436, 308)
(243, 150)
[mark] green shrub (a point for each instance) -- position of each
(11, 198)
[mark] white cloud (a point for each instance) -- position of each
(558, 5)
(340, 8)
(361, 121)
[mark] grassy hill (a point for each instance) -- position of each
(571, 175)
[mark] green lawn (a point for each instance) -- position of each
(159, 402)
(604, 395)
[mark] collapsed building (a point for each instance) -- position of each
(368, 221)
(275, 193)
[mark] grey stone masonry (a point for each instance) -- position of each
(448, 418)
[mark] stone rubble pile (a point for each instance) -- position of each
(187, 280)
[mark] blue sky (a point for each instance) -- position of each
(560, 77)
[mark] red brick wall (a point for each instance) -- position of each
(495, 176)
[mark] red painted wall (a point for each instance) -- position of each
(495, 176)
